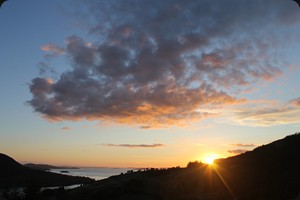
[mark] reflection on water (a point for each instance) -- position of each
(95, 173)
(64, 187)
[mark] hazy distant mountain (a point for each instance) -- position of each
(46, 167)
(13, 174)
(269, 172)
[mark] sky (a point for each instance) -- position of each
(141, 83)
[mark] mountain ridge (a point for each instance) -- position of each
(271, 171)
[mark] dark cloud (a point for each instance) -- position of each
(45, 69)
(156, 63)
(135, 145)
(237, 151)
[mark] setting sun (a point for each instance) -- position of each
(209, 159)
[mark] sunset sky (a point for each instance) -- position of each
(140, 83)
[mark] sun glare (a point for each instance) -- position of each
(209, 159)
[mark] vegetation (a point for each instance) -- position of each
(268, 172)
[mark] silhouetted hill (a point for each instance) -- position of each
(13, 174)
(9, 165)
(269, 172)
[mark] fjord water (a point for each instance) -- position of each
(95, 173)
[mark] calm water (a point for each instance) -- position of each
(95, 173)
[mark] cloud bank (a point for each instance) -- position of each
(157, 63)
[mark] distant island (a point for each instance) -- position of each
(269, 172)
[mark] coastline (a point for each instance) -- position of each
(97, 173)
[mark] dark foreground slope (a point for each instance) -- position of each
(13, 174)
(270, 172)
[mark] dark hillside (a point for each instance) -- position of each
(13, 174)
(269, 172)
(9, 166)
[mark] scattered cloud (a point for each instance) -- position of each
(295, 102)
(262, 113)
(267, 116)
(134, 145)
(45, 69)
(237, 151)
(52, 50)
(66, 128)
(156, 64)
(145, 127)
(243, 145)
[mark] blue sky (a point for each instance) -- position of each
(134, 83)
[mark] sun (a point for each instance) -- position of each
(209, 159)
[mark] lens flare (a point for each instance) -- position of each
(209, 159)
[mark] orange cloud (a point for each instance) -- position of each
(243, 145)
(295, 102)
(53, 49)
